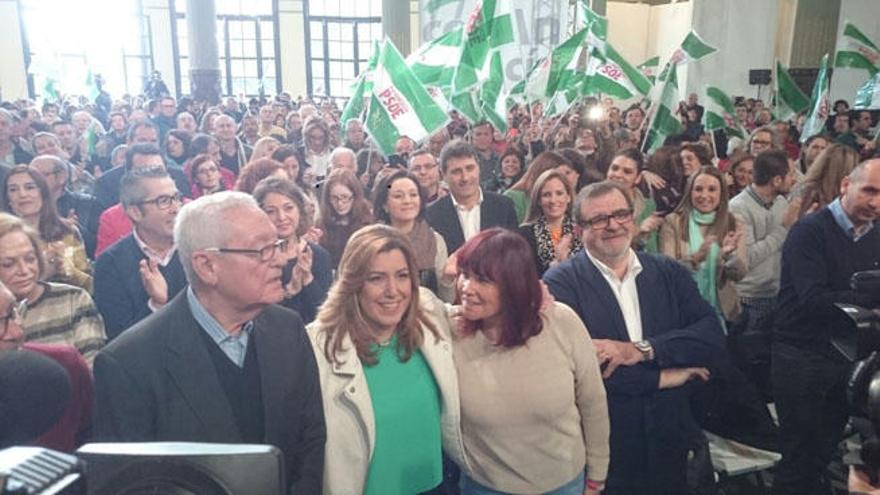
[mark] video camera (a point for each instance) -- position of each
(862, 347)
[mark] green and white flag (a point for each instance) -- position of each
(493, 98)
(856, 51)
(362, 88)
(557, 69)
(491, 26)
(868, 96)
(819, 104)
(649, 68)
(400, 105)
(613, 75)
(720, 113)
(434, 63)
(596, 25)
(790, 100)
(663, 121)
(692, 48)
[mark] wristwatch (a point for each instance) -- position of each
(646, 349)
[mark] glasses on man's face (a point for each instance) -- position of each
(15, 315)
(600, 222)
(417, 169)
(265, 253)
(164, 201)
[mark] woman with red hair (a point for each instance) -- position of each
(534, 416)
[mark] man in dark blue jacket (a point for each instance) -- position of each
(653, 334)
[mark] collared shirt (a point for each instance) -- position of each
(234, 346)
(469, 218)
(845, 223)
(758, 199)
(152, 253)
(626, 292)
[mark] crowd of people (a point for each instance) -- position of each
(544, 310)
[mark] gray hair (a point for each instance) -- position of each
(342, 150)
(597, 190)
(769, 129)
(131, 187)
(7, 116)
(203, 223)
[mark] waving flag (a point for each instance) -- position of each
(790, 100)
(819, 104)
(720, 113)
(856, 51)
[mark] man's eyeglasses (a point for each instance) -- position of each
(600, 222)
(164, 201)
(266, 253)
(15, 314)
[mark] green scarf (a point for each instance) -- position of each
(705, 274)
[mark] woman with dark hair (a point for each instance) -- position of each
(308, 273)
(740, 173)
(369, 163)
(204, 144)
(706, 237)
(512, 167)
(399, 201)
(587, 170)
(205, 176)
(693, 156)
(521, 190)
(549, 228)
(177, 143)
(665, 164)
(387, 376)
(288, 157)
(343, 210)
(521, 435)
(255, 171)
(26, 195)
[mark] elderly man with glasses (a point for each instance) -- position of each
(141, 272)
(221, 362)
(653, 333)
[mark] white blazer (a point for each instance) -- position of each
(348, 409)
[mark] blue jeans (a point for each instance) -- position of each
(471, 487)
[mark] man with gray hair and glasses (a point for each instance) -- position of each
(221, 362)
(653, 333)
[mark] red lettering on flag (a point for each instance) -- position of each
(393, 103)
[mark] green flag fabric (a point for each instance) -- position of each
(595, 24)
(856, 51)
(614, 75)
(663, 122)
(868, 96)
(363, 87)
(649, 68)
(790, 100)
(434, 63)
(692, 48)
(819, 105)
(493, 98)
(400, 105)
(490, 26)
(720, 113)
(557, 69)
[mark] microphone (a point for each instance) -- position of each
(34, 392)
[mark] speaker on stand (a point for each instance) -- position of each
(759, 77)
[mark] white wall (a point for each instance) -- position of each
(13, 73)
(160, 27)
(292, 30)
(745, 33)
(865, 14)
(628, 30)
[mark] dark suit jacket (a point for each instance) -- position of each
(650, 428)
(157, 382)
(495, 211)
(119, 291)
(107, 186)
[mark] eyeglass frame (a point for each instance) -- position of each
(17, 312)
(272, 247)
(170, 198)
(620, 216)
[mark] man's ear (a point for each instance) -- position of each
(205, 268)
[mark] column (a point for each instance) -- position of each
(204, 73)
(396, 24)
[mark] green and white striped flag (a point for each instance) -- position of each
(434, 63)
(692, 48)
(613, 75)
(362, 88)
(664, 123)
(819, 104)
(649, 68)
(856, 51)
(557, 69)
(491, 26)
(596, 25)
(790, 100)
(720, 113)
(868, 96)
(493, 98)
(400, 105)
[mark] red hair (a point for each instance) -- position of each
(504, 258)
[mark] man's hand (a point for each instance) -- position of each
(791, 214)
(859, 482)
(614, 353)
(651, 223)
(653, 180)
(154, 282)
(676, 377)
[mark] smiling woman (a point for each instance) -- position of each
(549, 228)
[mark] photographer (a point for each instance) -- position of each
(819, 256)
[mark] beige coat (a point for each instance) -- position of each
(348, 410)
(733, 269)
